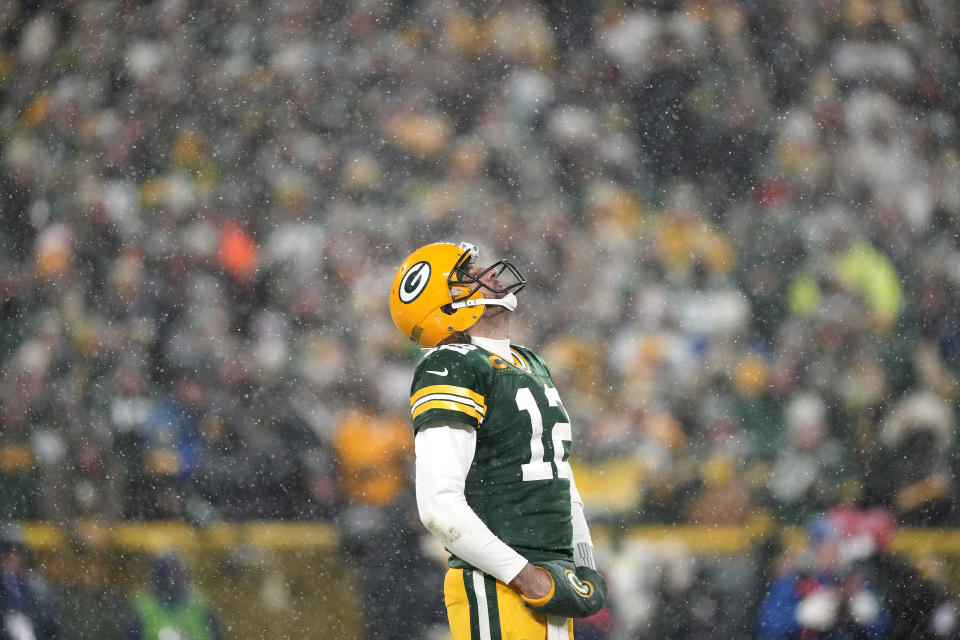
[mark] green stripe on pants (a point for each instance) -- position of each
(472, 599)
(484, 611)
(490, 586)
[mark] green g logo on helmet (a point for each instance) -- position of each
(414, 282)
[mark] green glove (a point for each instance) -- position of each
(577, 592)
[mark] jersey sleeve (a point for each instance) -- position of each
(449, 387)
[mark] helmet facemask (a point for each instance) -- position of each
(465, 282)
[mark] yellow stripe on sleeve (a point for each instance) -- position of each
(450, 405)
(449, 390)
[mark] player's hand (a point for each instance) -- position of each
(532, 582)
(575, 592)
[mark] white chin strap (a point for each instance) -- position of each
(509, 301)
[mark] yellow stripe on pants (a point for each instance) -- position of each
(514, 620)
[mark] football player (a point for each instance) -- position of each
(492, 442)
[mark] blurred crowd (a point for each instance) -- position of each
(739, 221)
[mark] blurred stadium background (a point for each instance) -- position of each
(739, 220)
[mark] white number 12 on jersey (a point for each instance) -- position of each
(539, 468)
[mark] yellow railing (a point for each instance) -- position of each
(159, 535)
(156, 536)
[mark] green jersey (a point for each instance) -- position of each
(519, 481)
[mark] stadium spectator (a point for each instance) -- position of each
(825, 592)
(910, 472)
(378, 521)
(29, 607)
(171, 607)
(912, 589)
(807, 473)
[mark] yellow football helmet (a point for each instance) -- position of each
(436, 291)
